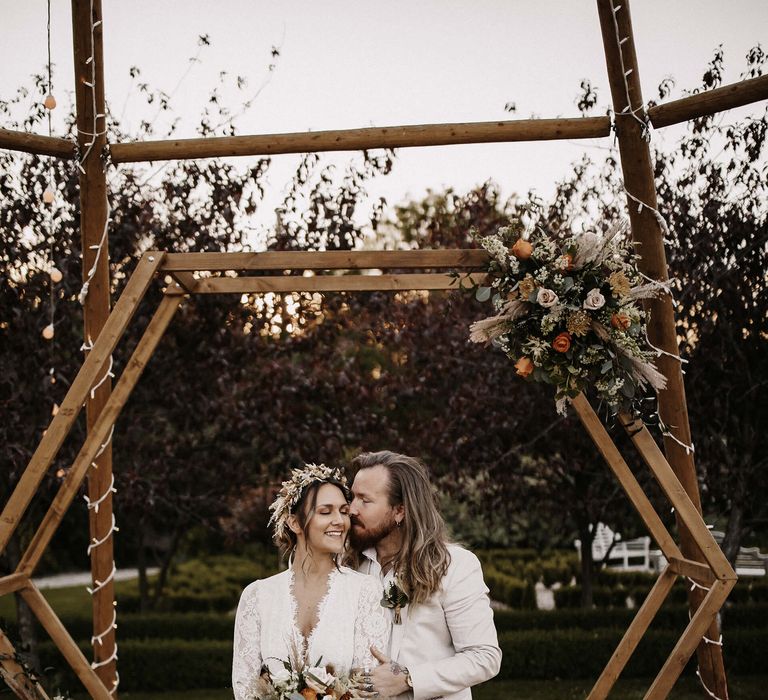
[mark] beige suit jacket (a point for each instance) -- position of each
(448, 643)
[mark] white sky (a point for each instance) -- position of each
(348, 64)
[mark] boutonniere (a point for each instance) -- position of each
(395, 599)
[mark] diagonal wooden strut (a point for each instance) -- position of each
(15, 675)
(633, 635)
(89, 373)
(719, 578)
(702, 619)
(678, 496)
(66, 645)
(100, 432)
(629, 483)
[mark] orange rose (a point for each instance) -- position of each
(621, 321)
(309, 694)
(563, 342)
(567, 262)
(522, 249)
(524, 366)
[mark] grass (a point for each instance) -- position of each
(749, 688)
(66, 602)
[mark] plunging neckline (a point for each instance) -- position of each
(319, 609)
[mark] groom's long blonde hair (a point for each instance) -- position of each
(423, 560)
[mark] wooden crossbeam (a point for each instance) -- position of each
(100, 431)
(13, 582)
(709, 102)
(633, 635)
(34, 143)
(360, 139)
(336, 283)
(695, 570)
(90, 372)
(461, 258)
(66, 645)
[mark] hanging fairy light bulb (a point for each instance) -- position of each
(48, 332)
(49, 102)
(56, 275)
(55, 409)
(48, 195)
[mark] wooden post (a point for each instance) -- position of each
(621, 61)
(87, 33)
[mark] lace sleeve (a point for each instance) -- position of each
(372, 624)
(246, 657)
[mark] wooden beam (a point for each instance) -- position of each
(461, 258)
(62, 639)
(685, 510)
(701, 624)
(336, 283)
(98, 434)
(700, 573)
(360, 139)
(185, 279)
(13, 582)
(91, 371)
(637, 168)
(15, 675)
(33, 143)
(88, 54)
(642, 620)
(612, 456)
(710, 102)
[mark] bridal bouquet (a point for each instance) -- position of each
(567, 312)
(299, 681)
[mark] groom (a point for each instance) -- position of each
(443, 637)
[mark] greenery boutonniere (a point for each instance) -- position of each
(394, 598)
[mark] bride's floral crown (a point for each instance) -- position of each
(291, 492)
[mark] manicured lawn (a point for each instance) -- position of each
(751, 688)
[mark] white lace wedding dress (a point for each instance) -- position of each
(350, 619)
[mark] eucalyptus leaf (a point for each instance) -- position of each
(606, 367)
(483, 293)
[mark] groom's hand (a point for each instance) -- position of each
(388, 677)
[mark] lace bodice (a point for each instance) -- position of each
(350, 619)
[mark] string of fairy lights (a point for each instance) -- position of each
(663, 287)
(48, 333)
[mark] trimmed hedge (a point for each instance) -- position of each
(210, 584)
(583, 654)
(745, 592)
(673, 617)
(156, 665)
(153, 665)
(509, 590)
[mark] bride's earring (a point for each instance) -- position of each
(290, 557)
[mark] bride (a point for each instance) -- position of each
(316, 607)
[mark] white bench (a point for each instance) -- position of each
(750, 561)
(629, 555)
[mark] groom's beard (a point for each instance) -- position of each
(361, 538)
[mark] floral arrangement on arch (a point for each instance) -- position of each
(567, 312)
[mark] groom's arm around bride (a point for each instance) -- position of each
(445, 641)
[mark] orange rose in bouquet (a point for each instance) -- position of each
(562, 342)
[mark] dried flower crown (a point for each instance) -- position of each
(291, 492)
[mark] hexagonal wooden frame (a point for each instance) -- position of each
(717, 576)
